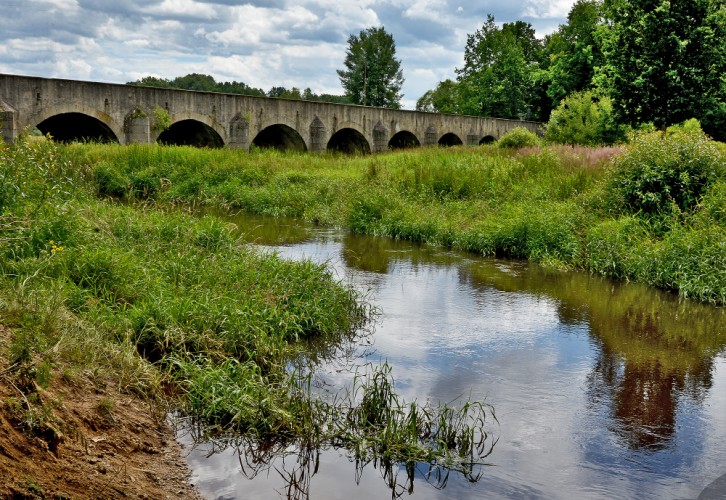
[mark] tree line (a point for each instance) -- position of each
(613, 64)
(207, 83)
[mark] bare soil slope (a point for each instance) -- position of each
(101, 444)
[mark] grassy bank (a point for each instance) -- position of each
(652, 212)
(173, 308)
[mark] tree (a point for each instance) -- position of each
(665, 61)
(443, 99)
(584, 118)
(284, 93)
(499, 70)
(152, 81)
(574, 51)
(199, 82)
(372, 74)
(195, 81)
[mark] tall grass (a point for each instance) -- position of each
(559, 205)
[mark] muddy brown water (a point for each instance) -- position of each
(601, 389)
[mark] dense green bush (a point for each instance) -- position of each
(586, 119)
(662, 171)
(518, 137)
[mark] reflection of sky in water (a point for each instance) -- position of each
(446, 337)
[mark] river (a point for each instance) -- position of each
(601, 389)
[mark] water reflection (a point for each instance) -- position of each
(654, 348)
(602, 389)
(296, 464)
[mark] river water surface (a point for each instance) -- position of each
(601, 389)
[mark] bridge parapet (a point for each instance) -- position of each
(68, 109)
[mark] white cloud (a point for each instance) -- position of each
(65, 6)
(183, 8)
(547, 9)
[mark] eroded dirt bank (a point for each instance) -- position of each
(101, 443)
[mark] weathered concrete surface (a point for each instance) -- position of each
(130, 113)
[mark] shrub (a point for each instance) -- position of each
(660, 171)
(519, 137)
(586, 119)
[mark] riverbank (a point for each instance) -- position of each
(651, 212)
(112, 444)
(113, 315)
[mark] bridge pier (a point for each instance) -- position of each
(430, 136)
(8, 123)
(239, 133)
(137, 127)
(380, 138)
(317, 136)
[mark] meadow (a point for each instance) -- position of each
(126, 289)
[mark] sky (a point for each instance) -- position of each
(263, 43)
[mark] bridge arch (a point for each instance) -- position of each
(487, 139)
(281, 137)
(348, 140)
(77, 122)
(404, 140)
(190, 133)
(450, 139)
(193, 129)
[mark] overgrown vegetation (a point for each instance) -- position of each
(656, 219)
(173, 304)
(518, 137)
(164, 299)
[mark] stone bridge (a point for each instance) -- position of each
(72, 110)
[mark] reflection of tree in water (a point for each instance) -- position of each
(378, 254)
(653, 348)
(641, 384)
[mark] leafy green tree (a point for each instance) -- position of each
(499, 70)
(665, 60)
(584, 118)
(238, 88)
(152, 81)
(372, 74)
(284, 93)
(195, 81)
(574, 51)
(338, 99)
(443, 99)
(199, 82)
